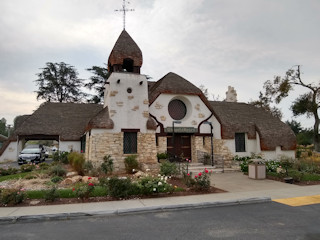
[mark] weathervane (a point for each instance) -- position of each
(124, 10)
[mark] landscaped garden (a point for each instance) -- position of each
(304, 170)
(71, 179)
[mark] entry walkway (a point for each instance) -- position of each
(240, 190)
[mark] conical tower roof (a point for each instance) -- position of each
(125, 49)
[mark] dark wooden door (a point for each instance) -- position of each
(180, 146)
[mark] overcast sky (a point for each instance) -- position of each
(215, 43)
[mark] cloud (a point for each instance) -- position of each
(211, 42)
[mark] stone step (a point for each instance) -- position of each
(214, 169)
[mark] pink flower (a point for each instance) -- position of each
(73, 189)
(188, 174)
(89, 178)
(90, 184)
(206, 171)
(187, 160)
(195, 176)
(200, 173)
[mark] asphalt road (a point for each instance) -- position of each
(251, 221)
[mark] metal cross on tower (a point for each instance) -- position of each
(124, 10)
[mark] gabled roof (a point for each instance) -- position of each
(125, 47)
(245, 118)
(68, 120)
(174, 84)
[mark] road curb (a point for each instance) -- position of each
(69, 216)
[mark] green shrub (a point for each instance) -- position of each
(27, 167)
(12, 196)
(120, 187)
(43, 166)
(149, 185)
(60, 156)
(168, 169)
(51, 195)
(188, 180)
(286, 163)
(88, 167)
(84, 191)
(77, 162)
(57, 170)
(271, 165)
(162, 156)
(207, 159)
(107, 165)
(200, 182)
(131, 163)
(56, 179)
(8, 171)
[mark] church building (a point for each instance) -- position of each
(144, 118)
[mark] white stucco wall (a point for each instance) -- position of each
(251, 146)
(11, 153)
(197, 111)
(127, 110)
(274, 155)
(66, 146)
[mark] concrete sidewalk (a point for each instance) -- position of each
(241, 190)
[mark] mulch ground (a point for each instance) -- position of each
(304, 183)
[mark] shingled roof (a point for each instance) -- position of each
(125, 47)
(174, 84)
(246, 118)
(101, 120)
(68, 120)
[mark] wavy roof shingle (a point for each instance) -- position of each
(241, 117)
(125, 47)
(172, 83)
(68, 120)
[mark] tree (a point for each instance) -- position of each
(59, 82)
(265, 103)
(307, 103)
(295, 126)
(97, 82)
(204, 90)
(3, 127)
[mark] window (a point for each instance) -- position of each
(177, 109)
(83, 143)
(129, 142)
(240, 142)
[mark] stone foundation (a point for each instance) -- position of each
(100, 145)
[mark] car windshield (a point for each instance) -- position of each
(30, 150)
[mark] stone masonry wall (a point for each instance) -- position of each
(162, 145)
(147, 151)
(103, 144)
(219, 149)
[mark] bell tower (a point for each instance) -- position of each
(125, 56)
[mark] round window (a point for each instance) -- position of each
(177, 109)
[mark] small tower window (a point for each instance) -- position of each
(127, 64)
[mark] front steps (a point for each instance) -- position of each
(199, 167)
